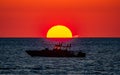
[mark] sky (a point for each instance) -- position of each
(85, 18)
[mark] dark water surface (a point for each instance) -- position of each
(103, 57)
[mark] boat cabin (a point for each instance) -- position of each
(61, 47)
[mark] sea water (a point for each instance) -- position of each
(102, 57)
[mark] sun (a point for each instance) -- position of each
(59, 31)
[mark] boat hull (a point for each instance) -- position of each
(50, 53)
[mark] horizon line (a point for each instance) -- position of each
(59, 38)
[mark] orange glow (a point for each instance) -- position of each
(59, 31)
(85, 18)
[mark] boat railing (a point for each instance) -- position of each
(60, 46)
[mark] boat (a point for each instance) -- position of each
(58, 51)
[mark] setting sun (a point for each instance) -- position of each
(59, 31)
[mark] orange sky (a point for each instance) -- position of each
(86, 18)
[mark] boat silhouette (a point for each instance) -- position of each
(58, 51)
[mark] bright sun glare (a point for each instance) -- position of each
(59, 31)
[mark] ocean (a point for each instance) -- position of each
(102, 57)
